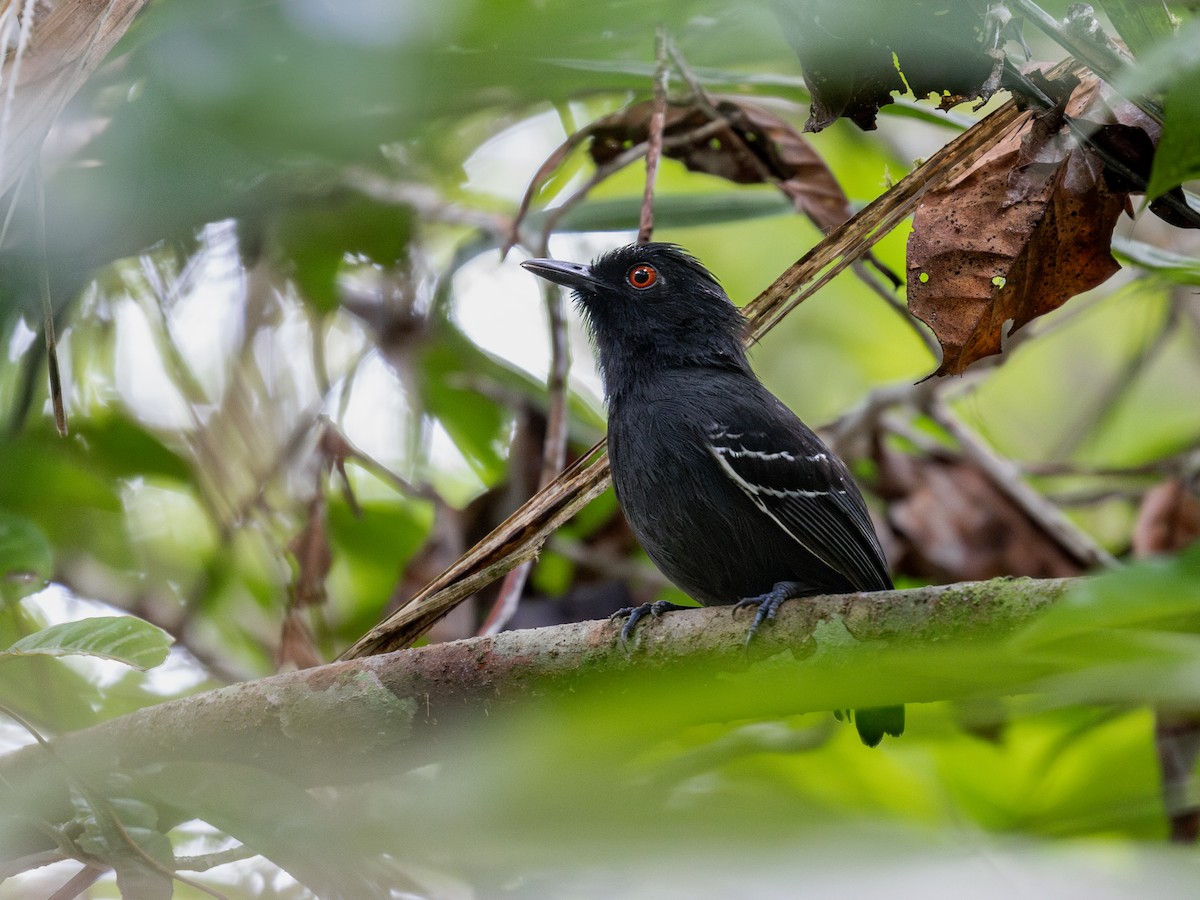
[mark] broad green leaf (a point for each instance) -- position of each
(71, 489)
(122, 447)
(125, 639)
(1170, 68)
(26, 558)
(1141, 25)
(461, 389)
(1161, 593)
(1178, 156)
(370, 552)
(1175, 266)
(318, 236)
(56, 697)
(123, 832)
(671, 211)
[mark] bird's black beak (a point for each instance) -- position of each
(568, 274)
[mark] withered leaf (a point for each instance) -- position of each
(1019, 233)
(1132, 139)
(297, 647)
(745, 145)
(313, 557)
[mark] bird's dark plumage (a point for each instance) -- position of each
(731, 495)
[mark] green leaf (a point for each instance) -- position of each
(1178, 157)
(672, 211)
(1175, 266)
(1162, 65)
(1170, 67)
(1162, 593)
(26, 558)
(312, 839)
(319, 236)
(1140, 24)
(72, 488)
(125, 639)
(461, 387)
(370, 552)
(123, 831)
(122, 448)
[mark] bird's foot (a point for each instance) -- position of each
(767, 605)
(635, 614)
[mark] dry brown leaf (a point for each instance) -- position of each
(747, 145)
(313, 557)
(297, 648)
(1023, 230)
(1133, 139)
(952, 524)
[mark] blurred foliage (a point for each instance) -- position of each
(265, 219)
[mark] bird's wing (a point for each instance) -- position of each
(808, 492)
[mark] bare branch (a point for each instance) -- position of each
(654, 144)
(389, 710)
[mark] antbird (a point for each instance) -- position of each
(732, 496)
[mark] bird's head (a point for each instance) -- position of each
(651, 307)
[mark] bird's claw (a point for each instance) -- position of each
(635, 614)
(767, 606)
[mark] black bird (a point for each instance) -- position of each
(733, 497)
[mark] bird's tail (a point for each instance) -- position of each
(875, 722)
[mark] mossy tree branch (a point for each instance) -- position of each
(392, 710)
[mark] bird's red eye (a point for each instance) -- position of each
(642, 276)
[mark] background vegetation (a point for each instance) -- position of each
(300, 379)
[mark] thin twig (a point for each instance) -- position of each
(620, 161)
(425, 200)
(554, 447)
(654, 147)
(320, 366)
(1100, 59)
(508, 600)
(56, 389)
(1160, 468)
(78, 883)
(899, 307)
(206, 861)
(862, 420)
(368, 462)
(554, 455)
(20, 864)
